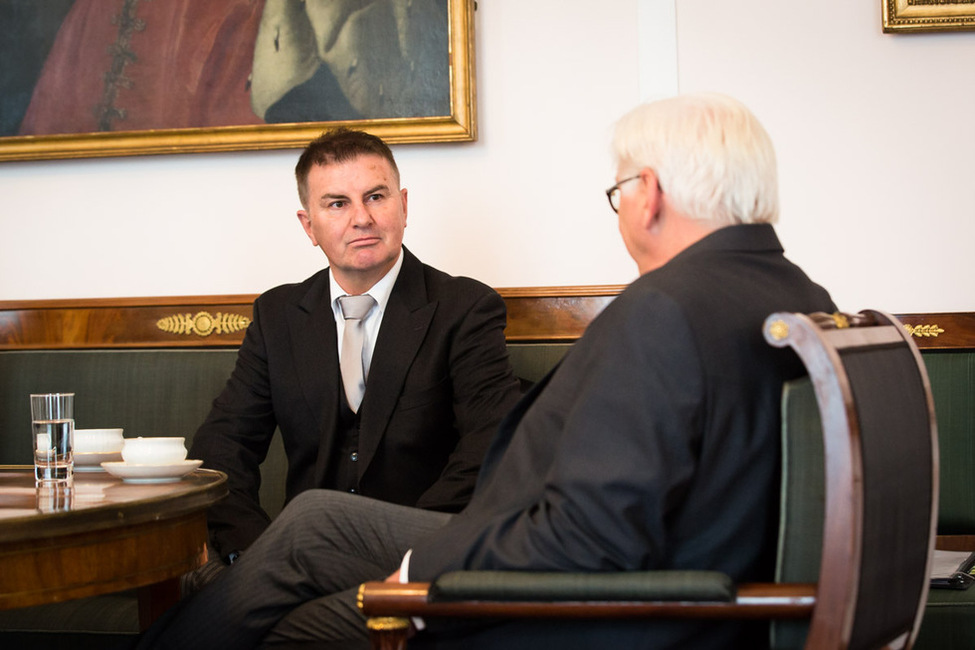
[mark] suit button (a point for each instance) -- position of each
(354, 456)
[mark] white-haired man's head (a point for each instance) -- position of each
(711, 156)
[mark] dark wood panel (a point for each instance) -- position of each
(553, 313)
(535, 314)
(193, 321)
(941, 330)
(955, 543)
(88, 564)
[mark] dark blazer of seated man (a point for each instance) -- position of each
(438, 379)
(653, 445)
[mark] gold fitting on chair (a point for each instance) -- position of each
(841, 321)
(387, 623)
(360, 596)
(778, 330)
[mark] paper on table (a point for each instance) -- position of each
(952, 569)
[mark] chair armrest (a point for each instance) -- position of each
(753, 600)
(530, 586)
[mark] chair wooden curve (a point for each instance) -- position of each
(881, 492)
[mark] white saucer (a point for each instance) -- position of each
(168, 473)
(91, 461)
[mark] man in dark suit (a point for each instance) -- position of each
(654, 445)
(435, 369)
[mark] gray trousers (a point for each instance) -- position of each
(296, 585)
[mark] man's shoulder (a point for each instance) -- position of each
(442, 286)
(644, 301)
(729, 286)
(293, 292)
(441, 281)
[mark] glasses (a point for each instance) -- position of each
(613, 193)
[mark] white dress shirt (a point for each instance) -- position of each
(370, 324)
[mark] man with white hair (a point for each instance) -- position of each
(652, 446)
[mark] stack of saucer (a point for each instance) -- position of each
(92, 447)
(152, 460)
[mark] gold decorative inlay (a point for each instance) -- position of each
(840, 320)
(387, 623)
(924, 331)
(203, 323)
(778, 330)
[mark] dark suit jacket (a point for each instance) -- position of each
(439, 383)
(654, 445)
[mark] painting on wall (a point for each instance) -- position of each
(928, 15)
(89, 78)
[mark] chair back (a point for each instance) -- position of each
(879, 487)
(802, 503)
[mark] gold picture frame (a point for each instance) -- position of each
(458, 126)
(928, 15)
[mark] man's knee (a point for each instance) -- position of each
(316, 506)
(316, 500)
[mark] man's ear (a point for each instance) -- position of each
(403, 198)
(306, 225)
(652, 198)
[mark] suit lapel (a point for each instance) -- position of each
(405, 323)
(316, 359)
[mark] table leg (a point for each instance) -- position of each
(155, 599)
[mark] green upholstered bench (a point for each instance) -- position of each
(159, 392)
(949, 618)
(163, 360)
(153, 367)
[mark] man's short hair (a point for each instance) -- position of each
(710, 154)
(338, 146)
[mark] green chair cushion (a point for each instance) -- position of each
(949, 620)
(526, 586)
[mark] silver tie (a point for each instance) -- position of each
(354, 309)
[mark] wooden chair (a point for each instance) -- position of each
(880, 480)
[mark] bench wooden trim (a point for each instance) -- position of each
(941, 330)
(535, 314)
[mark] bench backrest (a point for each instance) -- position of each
(172, 393)
(154, 366)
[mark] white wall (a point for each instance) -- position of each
(874, 134)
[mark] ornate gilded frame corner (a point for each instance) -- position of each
(928, 15)
(459, 126)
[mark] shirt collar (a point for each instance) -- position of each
(379, 291)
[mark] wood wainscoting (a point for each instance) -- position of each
(534, 314)
(537, 314)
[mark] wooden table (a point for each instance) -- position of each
(103, 535)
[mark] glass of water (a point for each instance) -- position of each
(52, 419)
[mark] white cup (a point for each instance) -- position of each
(153, 451)
(98, 441)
